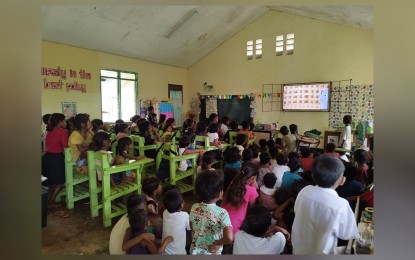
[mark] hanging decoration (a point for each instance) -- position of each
(250, 96)
(211, 107)
(269, 95)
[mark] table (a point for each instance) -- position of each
(308, 141)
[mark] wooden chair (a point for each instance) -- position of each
(74, 189)
(109, 194)
(168, 152)
(232, 136)
(203, 142)
(114, 147)
(139, 149)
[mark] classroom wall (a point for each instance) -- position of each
(153, 78)
(323, 52)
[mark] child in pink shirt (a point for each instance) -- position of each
(330, 150)
(240, 195)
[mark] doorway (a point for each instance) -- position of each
(176, 96)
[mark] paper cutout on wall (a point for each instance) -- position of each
(167, 109)
(76, 86)
(211, 107)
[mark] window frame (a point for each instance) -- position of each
(119, 79)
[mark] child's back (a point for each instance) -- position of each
(266, 191)
(280, 168)
(219, 230)
(289, 177)
(175, 222)
(241, 195)
(321, 216)
(259, 238)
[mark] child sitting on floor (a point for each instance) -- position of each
(209, 239)
(255, 153)
(240, 195)
(306, 160)
(151, 187)
(208, 160)
(267, 190)
(292, 175)
(264, 167)
(232, 158)
(175, 222)
(259, 237)
(330, 150)
(263, 145)
(134, 203)
(139, 221)
(241, 140)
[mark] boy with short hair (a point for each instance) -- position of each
(321, 216)
(279, 168)
(175, 222)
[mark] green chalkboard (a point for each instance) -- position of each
(236, 109)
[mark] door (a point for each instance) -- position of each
(176, 96)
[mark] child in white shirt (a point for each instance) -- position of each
(175, 222)
(259, 237)
(321, 216)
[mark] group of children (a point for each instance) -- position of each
(250, 198)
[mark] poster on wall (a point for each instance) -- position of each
(69, 109)
(211, 107)
(333, 139)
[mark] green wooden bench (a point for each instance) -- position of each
(75, 188)
(111, 208)
(114, 147)
(232, 136)
(139, 149)
(169, 152)
(204, 143)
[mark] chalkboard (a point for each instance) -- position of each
(236, 109)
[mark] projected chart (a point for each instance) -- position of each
(306, 97)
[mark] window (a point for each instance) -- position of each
(250, 49)
(279, 49)
(119, 95)
(258, 48)
(290, 44)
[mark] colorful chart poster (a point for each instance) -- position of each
(69, 109)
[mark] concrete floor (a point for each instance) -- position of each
(79, 234)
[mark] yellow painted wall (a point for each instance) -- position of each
(153, 78)
(323, 52)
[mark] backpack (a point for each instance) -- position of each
(164, 170)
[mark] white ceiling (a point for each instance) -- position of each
(139, 31)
